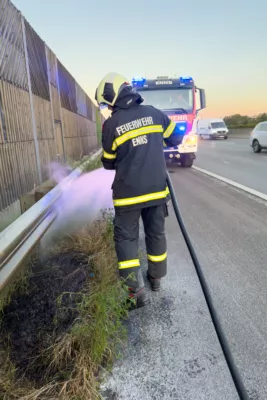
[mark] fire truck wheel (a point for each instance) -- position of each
(186, 161)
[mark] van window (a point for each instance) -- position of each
(216, 125)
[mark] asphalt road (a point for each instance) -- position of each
(235, 160)
(173, 352)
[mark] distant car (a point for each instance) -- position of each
(258, 137)
(212, 129)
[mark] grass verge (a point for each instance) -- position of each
(67, 324)
(87, 162)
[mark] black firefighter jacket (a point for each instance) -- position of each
(132, 141)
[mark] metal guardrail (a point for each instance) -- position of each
(19, 238)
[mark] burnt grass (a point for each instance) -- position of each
(34, 320)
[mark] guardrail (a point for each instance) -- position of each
(19, 238)
(240, 133)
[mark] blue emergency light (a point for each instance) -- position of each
(138, 81)
(180, 127)
(186, 79)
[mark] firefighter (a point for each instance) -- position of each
(132, 141)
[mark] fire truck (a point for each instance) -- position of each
(178, 98)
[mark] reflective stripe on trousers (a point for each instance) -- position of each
(159, 258)
(129, 264)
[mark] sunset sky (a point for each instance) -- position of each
(222, 45)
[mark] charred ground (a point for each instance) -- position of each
(66, 323)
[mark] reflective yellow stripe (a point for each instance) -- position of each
(129, 264)
(136, 132)
(141, 199)
(169, 130)
(108, 155)
(162, 257)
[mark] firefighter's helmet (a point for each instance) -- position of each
(109, 88)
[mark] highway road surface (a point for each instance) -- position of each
(234, 159)
(173, 352)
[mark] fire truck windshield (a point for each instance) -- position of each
(169, 99)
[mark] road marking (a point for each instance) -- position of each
(232, 183)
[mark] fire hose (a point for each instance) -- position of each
(239, 385)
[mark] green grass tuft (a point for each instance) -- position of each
(86, 163)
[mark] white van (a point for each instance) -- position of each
(212, 129)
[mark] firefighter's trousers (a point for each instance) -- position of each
(126, 235)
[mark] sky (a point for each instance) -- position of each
(221, 44)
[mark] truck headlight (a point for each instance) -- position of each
(191, 139)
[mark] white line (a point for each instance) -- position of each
(232, 183)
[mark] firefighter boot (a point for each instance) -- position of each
(137, 292)
(139, 298)
(154, 283)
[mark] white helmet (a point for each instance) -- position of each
(109, 88)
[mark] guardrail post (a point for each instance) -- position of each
(50, 94)
(61, 113)
(36, 144)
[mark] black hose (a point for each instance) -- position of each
(215, 319)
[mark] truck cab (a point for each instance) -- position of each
(177, 98)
